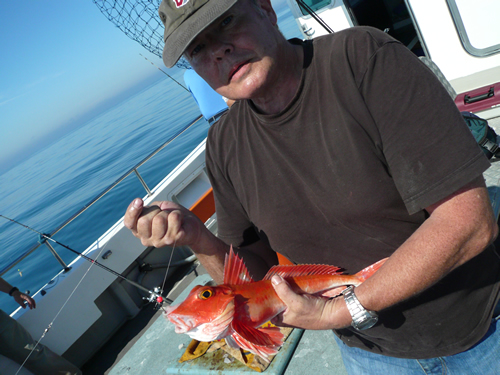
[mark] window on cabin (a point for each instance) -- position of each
(391, 16)
(315, 5)
(477, 25)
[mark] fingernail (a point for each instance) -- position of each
(137, 203)
(276, 280)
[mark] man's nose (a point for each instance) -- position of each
(220, 49)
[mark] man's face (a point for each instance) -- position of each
(237, 53)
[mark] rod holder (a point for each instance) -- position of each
(143, 183)
(58, 258)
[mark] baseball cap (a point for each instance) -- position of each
(184, 20)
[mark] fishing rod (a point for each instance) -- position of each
(315, 16)
(153, 295)
(169, 76)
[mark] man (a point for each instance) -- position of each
(343, 150)
(17, 344)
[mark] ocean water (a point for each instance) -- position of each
(54, 184)
(47, 189)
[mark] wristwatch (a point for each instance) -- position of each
(361, 318)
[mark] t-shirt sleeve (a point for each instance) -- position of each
(234, 226)
(429, 150)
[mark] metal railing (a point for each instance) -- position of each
(97, 198)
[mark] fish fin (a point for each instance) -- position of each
(302, 270)
(235, 271)
(264, 341)
(243, 345)
(370, 270)
(335, 292)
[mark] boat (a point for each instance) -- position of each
(102, 306)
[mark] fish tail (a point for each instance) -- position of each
(370, 270)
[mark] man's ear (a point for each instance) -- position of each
(268, 10)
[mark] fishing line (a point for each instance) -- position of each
(63, 305)
(137, 285)
(169, 76)
(32, 350)
(153, 295)
(166, 272)
(58, 313)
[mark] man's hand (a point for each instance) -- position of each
(163, 223)
(308, 311)
(21, 298)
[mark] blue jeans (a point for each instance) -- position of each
(481, 359)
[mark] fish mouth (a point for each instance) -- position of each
(202, 330)
(182, 323)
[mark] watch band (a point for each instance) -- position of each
(13, 290)
(361, 318)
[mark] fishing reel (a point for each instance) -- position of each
(156, 297)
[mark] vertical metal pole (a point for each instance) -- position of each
(58, 258)
(143, 183)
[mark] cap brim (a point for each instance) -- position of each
(177, 42)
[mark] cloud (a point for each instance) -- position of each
(28, 88)
(10, 99)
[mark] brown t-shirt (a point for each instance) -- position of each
(343, 174)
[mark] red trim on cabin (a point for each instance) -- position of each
(204, 207)
(479, 99)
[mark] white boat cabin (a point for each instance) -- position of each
(459, 36)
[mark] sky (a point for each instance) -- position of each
(62, 62)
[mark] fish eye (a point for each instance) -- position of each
(206, 294)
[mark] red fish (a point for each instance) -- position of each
(238, 308)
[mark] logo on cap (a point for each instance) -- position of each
(180, 3)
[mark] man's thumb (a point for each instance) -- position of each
(281, 287)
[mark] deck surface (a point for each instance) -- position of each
(159, 349)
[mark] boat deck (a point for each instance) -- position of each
(148, 344)
(156, 348)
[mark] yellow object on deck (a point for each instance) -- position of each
(196, 349)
